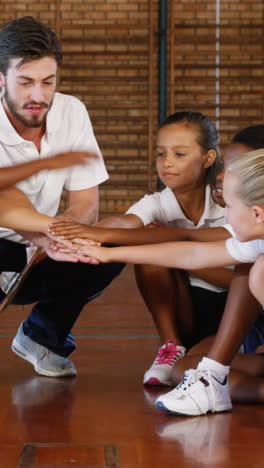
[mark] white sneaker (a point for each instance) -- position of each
(160, 371)
(200, 392)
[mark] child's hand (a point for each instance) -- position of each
(60, 241)
(73, 249)
(71, 158)
(71, 230)
(91, 252)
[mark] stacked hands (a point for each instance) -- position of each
(71, 241)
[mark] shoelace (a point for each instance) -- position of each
(192, 375)
(168, 354)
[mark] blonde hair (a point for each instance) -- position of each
(249, 168)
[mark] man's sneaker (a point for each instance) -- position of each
(160, 371)
(200, 392)
(45, 362)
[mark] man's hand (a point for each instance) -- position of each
(52, 248)
(78, 248)
(61, 256)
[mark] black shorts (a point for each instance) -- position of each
(208, 308)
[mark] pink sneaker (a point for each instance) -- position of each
(160, 371)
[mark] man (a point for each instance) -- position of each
(36, 122)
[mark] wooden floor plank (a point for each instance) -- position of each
(104, 417)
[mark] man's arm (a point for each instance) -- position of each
(120, 223)
(83, 205)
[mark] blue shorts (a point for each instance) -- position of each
(255, 337)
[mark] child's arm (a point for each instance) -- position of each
(132, 236)
(22, 218)
(13, 174)
(184, 255)
(16, 210)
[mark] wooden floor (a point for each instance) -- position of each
(104, 417)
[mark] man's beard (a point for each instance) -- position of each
(34, 121)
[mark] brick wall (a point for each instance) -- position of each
(110, 63)
(233, 73)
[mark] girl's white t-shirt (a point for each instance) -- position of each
(163, 207)
(245, 252)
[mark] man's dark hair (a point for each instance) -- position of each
(29, 39)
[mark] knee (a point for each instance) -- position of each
(256, 277)
(149, 269)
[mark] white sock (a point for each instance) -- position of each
(214, 366)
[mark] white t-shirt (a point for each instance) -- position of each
(68, 128)
(164, 208)
(245, 252)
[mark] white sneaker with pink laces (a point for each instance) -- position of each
(160, 371)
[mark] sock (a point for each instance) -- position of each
(214, 366)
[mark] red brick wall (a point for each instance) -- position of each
(110, 63)
(193, 76)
